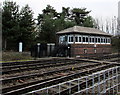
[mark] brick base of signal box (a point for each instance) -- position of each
(89, 50)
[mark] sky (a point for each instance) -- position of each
(99, 8)
(104, 10)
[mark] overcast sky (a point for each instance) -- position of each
(99, 8)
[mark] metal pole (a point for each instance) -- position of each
(93, 90)
(78, 85)
(86, 85)
(59, 89)
(69, 88)
(117, 78)
(47, 91)
(98, 84)
(109, 80)
(113, 79)
(104, 82)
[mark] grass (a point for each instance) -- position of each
(16, 56)
(11, 56)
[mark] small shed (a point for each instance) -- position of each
(84, 41)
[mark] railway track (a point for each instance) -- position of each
(13, 65)
(82, 85)
(22, 68)
(71, 87)
(30, 86)
(108, 57)
(37, 67)
(64, 69)
(49, 73)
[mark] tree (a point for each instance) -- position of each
(79, 15)
(88, 22)
(118, 27)
(107, 26)
(48, 30)
(50, 21)
(16, 25)
(50, 12)
(116, 43)
(10, 14)
(46, 25)
(26, 24)
(66, 13)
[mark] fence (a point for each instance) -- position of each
(42, 50)
(102, 82)
(50, 49)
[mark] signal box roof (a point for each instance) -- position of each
(82, 30)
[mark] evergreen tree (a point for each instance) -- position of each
(50, 21)
(17, 26)
(79, 15)
(10, 17)
(88, 22)
(27, 26)
(46, 25)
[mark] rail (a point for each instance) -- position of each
(105, 81)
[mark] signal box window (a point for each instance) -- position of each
(93, 40)
(85, 51)
(70, 39)
(96, 40)
(80, 39)
(83, 39)
(90, 40)
(86, 39)
(95, 51)
(76, 39)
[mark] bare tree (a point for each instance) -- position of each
(107, 26)
(118, 27)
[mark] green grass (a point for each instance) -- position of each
(16, 56)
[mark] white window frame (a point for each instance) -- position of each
(60, 39)
(108, 39)
(81, 38)
(98, 40)
(87, 36)
(92, 37)
(78, 38)
(85, 39)
(63, 39)
(103, 40)
(69, 37)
